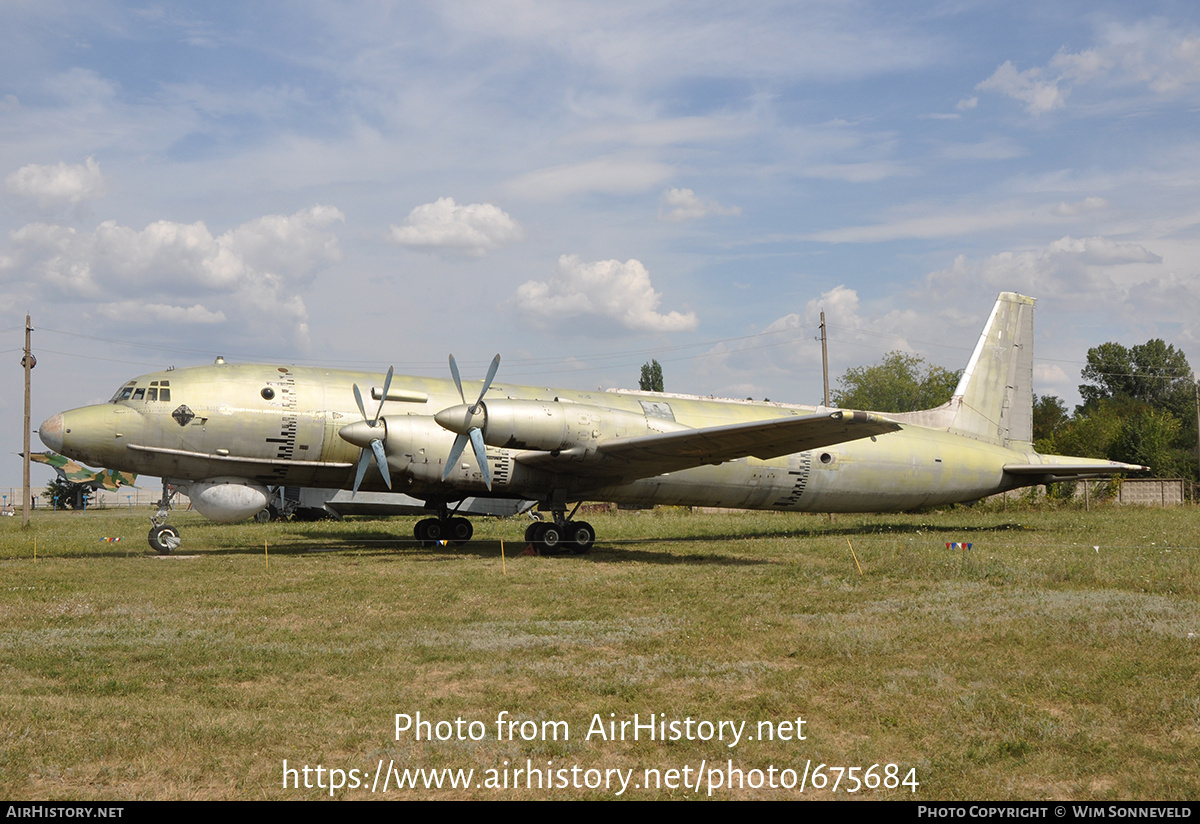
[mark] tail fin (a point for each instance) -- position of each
(994, 398)
(993, 401)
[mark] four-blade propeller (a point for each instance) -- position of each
(375, 442)
(474, 418)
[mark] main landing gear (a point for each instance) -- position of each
(446, 527)
(454, 531)
(164, 538)
(561, 534)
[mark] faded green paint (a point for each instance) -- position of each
(279, 425)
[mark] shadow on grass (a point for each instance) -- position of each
(373, 544)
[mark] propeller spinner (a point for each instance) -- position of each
(366, 434)
(468, 422)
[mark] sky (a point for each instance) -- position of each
(583, 187)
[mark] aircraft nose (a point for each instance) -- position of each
(51, 432)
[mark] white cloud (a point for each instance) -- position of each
(677, 205)
(1089, 269)
(1038, 95)
(606, 289)
(445, 226)
(58, 184)
(1149, 54)
(247, 277)
(133, 311)
(606, 175)
(1088, 204)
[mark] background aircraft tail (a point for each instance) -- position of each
(993, 401)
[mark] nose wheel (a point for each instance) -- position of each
(164, 539)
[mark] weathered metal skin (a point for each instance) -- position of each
(257, 425)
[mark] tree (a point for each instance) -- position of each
(1155, 373)
(901, 383)
(1049, 415)
(63, 494)
(1149, 391)
(652, 377)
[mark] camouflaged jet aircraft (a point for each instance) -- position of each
(227, 432)
(68, 470)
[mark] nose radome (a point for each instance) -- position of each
(51, 432)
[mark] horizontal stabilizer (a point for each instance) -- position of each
(1067, 471)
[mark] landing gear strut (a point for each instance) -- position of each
(164, 538)
(561, 533)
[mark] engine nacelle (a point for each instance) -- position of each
(227, 500)
(549, 426)
(517, 424)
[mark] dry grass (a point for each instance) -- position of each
(1034, 666)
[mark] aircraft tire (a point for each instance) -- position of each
(421, 532)
(531, 532)
(164, 539)
(460, 531)
(580, 536)
(262, 516)
(435, 531)
(549, 539)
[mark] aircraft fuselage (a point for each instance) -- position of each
(277, 425)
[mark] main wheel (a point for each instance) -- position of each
(428, 531)
(460, 531)
(549, 538)
(164, 539)
(580, 536)
(531, 532)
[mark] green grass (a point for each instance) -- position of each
(1033, 666)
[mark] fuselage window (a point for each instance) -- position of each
(165, 394)
(267, 393)
(152, 394)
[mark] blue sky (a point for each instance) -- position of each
(585, 186)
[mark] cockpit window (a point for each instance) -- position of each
(124, 392)
(157, 391)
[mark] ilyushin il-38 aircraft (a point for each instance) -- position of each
(225, 433)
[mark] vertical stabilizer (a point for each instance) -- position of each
(994, 398)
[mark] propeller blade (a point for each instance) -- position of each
(381, 461)
(358, 399)
(363, 460)
(487, 383)
(387, 384)
(481, 456)
(456, 451)
(457, 379)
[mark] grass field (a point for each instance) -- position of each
(1058, 658)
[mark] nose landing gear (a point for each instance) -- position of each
(164, 538)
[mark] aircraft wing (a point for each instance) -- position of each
(648, 455)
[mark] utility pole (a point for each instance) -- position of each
(824, 358)
(27, 361)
